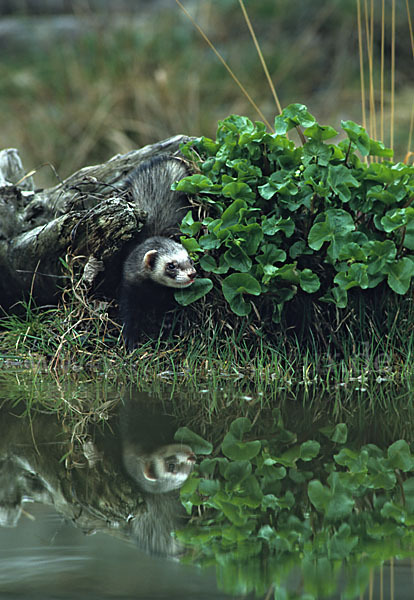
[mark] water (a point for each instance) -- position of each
(319, 508)
(46, 557)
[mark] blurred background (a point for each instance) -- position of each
(82, 80)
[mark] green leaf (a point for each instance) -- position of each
(194, 184)
(237, 258)
(400, 457)
(271, 225)
(308, 281)
(298, 248)
(319, 495)
(209, 242)
(188, 493)
(309, 450)
(250, 235)
(238, 450)
(379, 254)
(377, 192)
(320, 132)
(355, 461)
(289, 458)
(390, 510)
(409, 235)
(208, 466)
(315, 151)
(335, 502)
(358, 136)
(283, 183)
(238, 190)
(207, 263)
(198, 289)
(237, 284)
(233, 513)
(400, 273)
(340, 179)
(271, 255)
(332, 223)
(288, 272)
(245, 169)
(237, 471)
(233, 214)
(352, 251)
(197, 443)
(340, 433)
(240, 426)
(189, 226)
(340, 297)
(355, 276)
(250, 493)
(380, 172)
(293, 115)
(190, 244)
(378, 149)
(396, 218)
(208, 487)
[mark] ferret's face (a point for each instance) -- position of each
(175, 270)
(168, 468)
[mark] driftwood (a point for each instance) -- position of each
(78, 460)
(86, 216)
(94, 493)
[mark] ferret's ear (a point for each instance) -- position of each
(149, 471)
(149, 259)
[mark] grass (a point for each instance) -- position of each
(80, 336)
(70, 360)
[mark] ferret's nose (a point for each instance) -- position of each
(192, 275)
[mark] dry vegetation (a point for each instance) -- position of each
(122, 82)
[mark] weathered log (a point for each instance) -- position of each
(86, 215)
(95, 494)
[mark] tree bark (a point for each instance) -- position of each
(86, 217)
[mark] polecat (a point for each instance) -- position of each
(159, 467)
(157, 263)
(162, 470)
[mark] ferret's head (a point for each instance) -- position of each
(168, 468)
(162, 470)
(169, 264)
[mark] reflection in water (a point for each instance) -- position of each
(160, 468)
(125, 484)
(87, 482)
(48, 558)
(294, 507)
(303, 515)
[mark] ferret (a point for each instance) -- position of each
(157, 264)
(159, 466)
(163, 470)
(159, 474)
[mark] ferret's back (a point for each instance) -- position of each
(150, 186)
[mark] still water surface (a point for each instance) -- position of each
(50, 558)
(68, 506)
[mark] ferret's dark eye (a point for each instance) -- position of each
(171, 467)
(171, 266)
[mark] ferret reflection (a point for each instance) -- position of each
(159, 467)
(163, 469)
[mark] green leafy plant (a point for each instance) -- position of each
(285, 220)
(269, 507)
